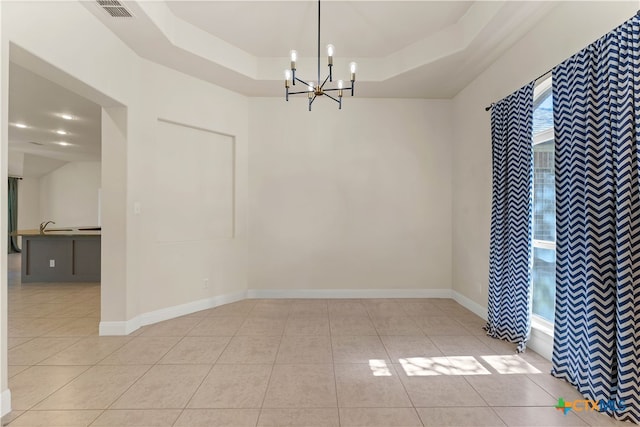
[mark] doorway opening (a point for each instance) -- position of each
(57, 144)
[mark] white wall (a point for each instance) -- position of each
(5, 393)
(90, 60)
(69, 195)
(145, 275)
(28, 205)
(358, 201)
(194, 142)
(567, 29)
(350, 200)
(117, 300)
(15, 163)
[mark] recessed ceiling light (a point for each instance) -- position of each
(66, 116)
(61, 132)
(63, 143)
(20, 125)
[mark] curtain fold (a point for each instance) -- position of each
(12, 219)
(509, 306)
(597, 126)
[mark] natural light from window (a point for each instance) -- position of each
(455, 365)
(544, 204)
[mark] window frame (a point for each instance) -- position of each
(539, 95)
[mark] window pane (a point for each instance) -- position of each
(544, 193)
(543, 275)
(543, 115)
(544, 282)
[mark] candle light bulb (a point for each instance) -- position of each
(311, 86)
(310, 93)
(340, 84)
(294, 56)
(287, 78)
(353, 67)
(330, 50)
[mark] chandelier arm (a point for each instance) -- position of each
(332, 98)
(302, 81)
(314, 90)
(323, 83)
(298, 93)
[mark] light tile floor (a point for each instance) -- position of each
(377, 362)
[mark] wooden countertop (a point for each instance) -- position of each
(66, 231)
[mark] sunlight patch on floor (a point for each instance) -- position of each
(510, 364)
(452, 365)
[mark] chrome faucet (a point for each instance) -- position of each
(43, 226)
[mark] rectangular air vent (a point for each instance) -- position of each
(114, 8)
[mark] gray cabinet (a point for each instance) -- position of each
(60, 258)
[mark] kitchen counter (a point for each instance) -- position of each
(66, 231)
(70, 254)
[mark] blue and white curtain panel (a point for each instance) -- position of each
(596, 97)
(509, 313)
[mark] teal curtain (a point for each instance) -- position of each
(13, 215)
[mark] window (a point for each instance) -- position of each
(544, 204)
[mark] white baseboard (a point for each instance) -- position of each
(349, 293)
(116, 328)
(126, 327)
(188, 308)
(540, 340)
(470, 305)
(5, 402)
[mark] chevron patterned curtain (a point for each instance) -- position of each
(597, 144)
(509, 314)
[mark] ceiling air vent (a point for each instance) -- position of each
(114, 8)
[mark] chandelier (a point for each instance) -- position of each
(314, 90)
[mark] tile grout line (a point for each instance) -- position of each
(186, 406)
(204, 318)
(395, 369)
(273, 366)
(153, 365)
(404, 387)
(333, 366)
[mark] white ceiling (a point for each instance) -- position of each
(39, 103)
(413, 49)
(405, 49)
(357, 29)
